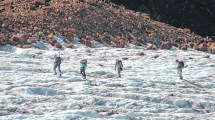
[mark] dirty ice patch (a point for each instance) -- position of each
(43, 91)
(8, 48)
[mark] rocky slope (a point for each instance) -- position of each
(23, 22)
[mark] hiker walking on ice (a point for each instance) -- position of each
(118, 67)
(83, 68)
(57, 62)
(180, 67)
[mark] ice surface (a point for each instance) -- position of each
(149, 88)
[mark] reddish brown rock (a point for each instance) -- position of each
(186, 30)
(20, 38)
(120, 45)
(87, 43)
(50, 36)
(196, 47)
(70, 45)
(202, 47)
(213, 50)
(27, 46)
(57, 45)
(23, 37)
(88, 38)
(102, 37)
(31, 40)
(211, 46)
(141, 53)
(3, 39)
(165, 45)
(114, 40)
(183, 47)
(52, 42)
(134, 41)
(149, 47)
(106, 34)
(71, 31)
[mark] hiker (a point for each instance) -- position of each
(180, 67)
(57, 62)
(118, 67)
(83, 68)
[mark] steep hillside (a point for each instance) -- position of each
(24, 21)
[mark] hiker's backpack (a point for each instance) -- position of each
(181, 63)
(58, 59)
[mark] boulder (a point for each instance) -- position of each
(71, 31)
(211, 46)
(15, 39)
(27, 46)
(31, 40)
(119, 46)
(166, 45)
(141, 53)
(149, 47)
(202, 47)
(20, 38)
(50, 36)
(3, 39)
(196, 47)
(183, 47)
(102, 37)
(52, 42)
(23, 37)
(69, 45)
(186, 30)
(57, 45)
(134, 41)
(114, 40)
(87, 42)
(213, 50)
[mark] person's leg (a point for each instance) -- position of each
(59, 69)
(55, 66)
(181, 76)
(81, 71)
(84, 74)
(180, 73)
(119, 72)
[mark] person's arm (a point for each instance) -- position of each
(115, 66)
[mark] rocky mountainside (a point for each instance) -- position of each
(198, 15)
(22, 22)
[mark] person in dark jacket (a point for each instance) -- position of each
(180, 67)
(118, 67)
(57, 63)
